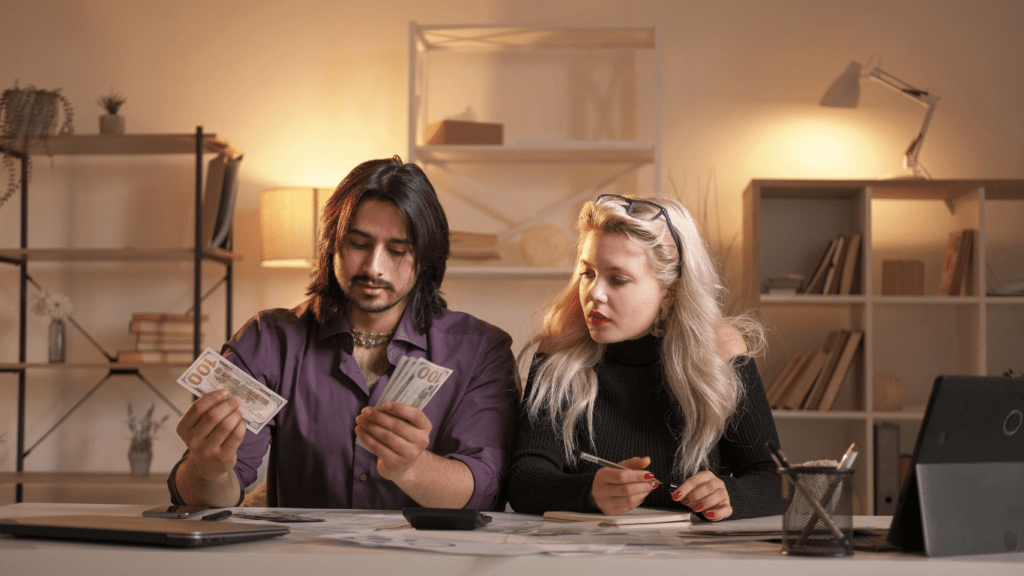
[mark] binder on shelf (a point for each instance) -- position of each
(887, 468)
(835, 381)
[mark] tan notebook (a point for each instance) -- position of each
(635, 516)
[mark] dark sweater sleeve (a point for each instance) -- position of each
(754, 487)
(537, 481)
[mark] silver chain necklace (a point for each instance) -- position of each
(371, 339)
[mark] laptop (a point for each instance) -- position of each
(965, 490)
(138, 530)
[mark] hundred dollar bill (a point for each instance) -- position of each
(414, 382)
(212, 372)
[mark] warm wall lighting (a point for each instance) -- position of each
(290, 225)
(845, 93)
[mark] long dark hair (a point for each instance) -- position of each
(407, 188)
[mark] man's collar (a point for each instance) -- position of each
(405, 331)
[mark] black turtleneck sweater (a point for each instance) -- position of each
(635, 414)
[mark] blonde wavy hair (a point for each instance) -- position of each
(704, 383)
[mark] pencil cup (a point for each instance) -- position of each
(818, 517)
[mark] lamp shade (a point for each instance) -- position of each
(289, 226)
(845, 91)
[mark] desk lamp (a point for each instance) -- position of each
(845, 93)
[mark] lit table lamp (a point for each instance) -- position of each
(290, 225)
(845, 93)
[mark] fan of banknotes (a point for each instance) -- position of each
(414, 382)
(212, 372)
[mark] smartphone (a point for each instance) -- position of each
(175, 511)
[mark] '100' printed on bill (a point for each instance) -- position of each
(212, 372)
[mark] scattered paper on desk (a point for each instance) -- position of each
(212, 372)
(414, 382)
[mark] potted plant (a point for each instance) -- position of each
(28, 113)
(140, 452)
(112, 122)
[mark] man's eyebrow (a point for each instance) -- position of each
(372, 237)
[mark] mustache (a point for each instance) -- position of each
(374, 281)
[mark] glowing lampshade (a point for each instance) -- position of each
(290, 225)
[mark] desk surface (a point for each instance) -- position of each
(310, 553)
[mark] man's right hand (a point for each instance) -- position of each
(212, 429)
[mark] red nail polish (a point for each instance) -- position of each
(675, 496)
(656, 484)
(648, 476)
(698, 507)
(710, 514)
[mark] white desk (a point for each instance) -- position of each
(300, 554)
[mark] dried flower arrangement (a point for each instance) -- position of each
(56, 306)
(112, 102)
(28, 112)
(144, 429)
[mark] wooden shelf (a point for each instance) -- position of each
(113, 254)
(154, 478)
(507, 271)
(575, 152)
(490, 38)
(14, 366)
(86, 144)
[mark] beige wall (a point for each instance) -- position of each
(309, 88)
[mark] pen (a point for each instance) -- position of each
(217, 515)
(605, 463)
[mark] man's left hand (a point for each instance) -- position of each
(397, 434)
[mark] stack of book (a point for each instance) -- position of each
(957, 270)
(474, 246)
(838, 267)
(811, 380)
(162, 338)
(785, 283)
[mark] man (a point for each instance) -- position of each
(375, 296)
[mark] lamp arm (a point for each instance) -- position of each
(910, 158)
(883, 77)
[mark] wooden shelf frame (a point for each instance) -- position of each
(196, 144)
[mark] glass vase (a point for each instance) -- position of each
(57, 340)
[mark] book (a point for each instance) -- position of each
(165, 317)
(158, 327)
(831, 285)
(777, 391)
(156, 356)
(219, 199)
(850, 261)
(834, 348)
(949, 264)
(785, 378)
(838, 376)
(963, 263)
(819, 272)
(633, 517)
(802, 385)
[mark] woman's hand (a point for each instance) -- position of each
(616, 492)
(705, 494)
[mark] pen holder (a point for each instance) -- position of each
(808, 493)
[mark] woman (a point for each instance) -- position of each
(636, 364)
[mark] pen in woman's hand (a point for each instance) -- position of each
(606, 463)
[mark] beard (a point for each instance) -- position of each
(375, 304)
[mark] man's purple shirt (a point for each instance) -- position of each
(318, 462)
